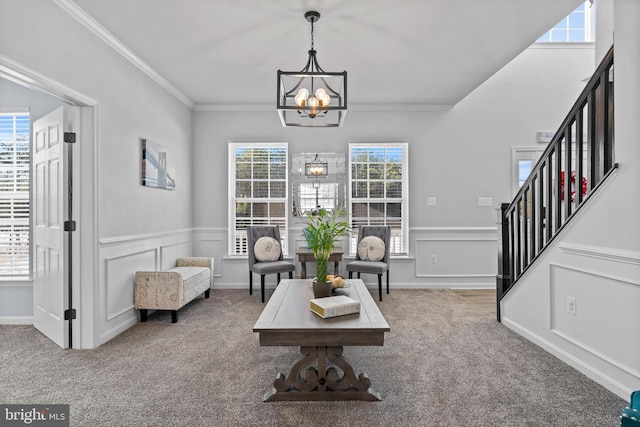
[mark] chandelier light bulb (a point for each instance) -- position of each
(323, 97)
(313, 101)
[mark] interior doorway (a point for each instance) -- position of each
(82, 112)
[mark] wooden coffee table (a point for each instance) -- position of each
(287, 321)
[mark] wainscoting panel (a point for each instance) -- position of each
(120, 277)
(456, 254)
(581, 305)
(169, 253)
(467, 258)
(211, 242)
(120, 258)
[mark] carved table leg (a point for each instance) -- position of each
(307, 382)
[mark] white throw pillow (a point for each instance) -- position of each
(267, 249)
(371, 248)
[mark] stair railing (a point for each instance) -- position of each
(577, 160)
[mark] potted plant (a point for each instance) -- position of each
(322, 231)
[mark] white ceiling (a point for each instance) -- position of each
(428, 53)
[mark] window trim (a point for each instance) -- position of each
(284, 235)
(404, 199)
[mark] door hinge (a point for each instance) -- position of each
(70, 137)
(70, 314)
(69, 226)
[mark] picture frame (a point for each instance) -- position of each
(156, 168)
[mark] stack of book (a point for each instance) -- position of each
(334, 306)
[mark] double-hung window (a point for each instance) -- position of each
(378, 184)
(14, 194)
(258, 182)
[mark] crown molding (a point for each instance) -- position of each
(92, 25)
(25, 76)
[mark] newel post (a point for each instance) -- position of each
(503, 279)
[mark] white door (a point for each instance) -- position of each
(50, 195)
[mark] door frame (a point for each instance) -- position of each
(84, 272)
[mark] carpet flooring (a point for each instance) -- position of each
(445, 362)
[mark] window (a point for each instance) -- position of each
(317, 194)
(258, 191)
(14, 194)
(523, 160)
(378, 184)
(576, 28)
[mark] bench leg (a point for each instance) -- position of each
(208, 292)
(143, 314)
(174, 316)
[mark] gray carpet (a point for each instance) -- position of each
(444, 363)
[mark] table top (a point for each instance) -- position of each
(305, 251)
(287, 319)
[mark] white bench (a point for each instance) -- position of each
(173, 289)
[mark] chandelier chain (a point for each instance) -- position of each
(312, 33)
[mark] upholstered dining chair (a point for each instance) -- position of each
(372, 255)
(265, 255)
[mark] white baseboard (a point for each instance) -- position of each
(588, 370)
(16, 320)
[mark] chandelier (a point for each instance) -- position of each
(316, 169)
(312, 97)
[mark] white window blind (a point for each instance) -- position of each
(258, 178)
(378, 180)
(14, 194)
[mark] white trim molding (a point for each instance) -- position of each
(609, 254)
(92, 25)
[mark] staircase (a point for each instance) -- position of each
(578, 159)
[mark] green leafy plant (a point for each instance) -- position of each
(321, 233)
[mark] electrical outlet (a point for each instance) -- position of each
(431, 201)
(434, 259)
(485, 201)
(571, 305)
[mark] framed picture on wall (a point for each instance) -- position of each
(157, 168)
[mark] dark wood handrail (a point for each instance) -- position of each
(578, 158)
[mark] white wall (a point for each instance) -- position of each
(596, 260)
(43, 38)
(455, 156)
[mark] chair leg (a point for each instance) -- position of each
(143, 314)
(278, 279)
(291, 275)
(250, 282)
(380, 286)
(174, 316)
(207, 293)
(387, 281)
(262, 286)
(358, 274)
(350, 274)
